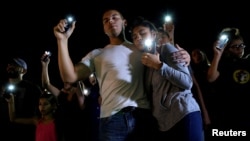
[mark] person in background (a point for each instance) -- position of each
(92, 107)
(169, 27)
(164, 37)
(203, 91)
(26, 94)
(169, 83)
(71, 107)
(230, 74)
(200, 64)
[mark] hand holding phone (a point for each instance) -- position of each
(149, 46)
(9, 90)
(46, 55)
(223, 39)
(70, 19)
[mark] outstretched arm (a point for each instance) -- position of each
(45, 77)
(69, 73)
(12, 115)
(169, 27)
(65, 63)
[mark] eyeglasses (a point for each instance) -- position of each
(242, 45)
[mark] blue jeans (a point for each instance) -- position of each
(132, 125)
(190, 128)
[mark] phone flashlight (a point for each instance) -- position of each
(11, 88)
(223, 39)
(149, 46)
(168, 18)
(70, 19)
(47, 55)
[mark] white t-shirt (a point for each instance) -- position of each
(119, 72)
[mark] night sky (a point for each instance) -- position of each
(27, 27)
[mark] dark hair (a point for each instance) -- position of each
(118, 6)
(50, 97)
(141, 21)
(109, 9)
(59, 122)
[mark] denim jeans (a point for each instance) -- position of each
(190, 128)
(135, 125)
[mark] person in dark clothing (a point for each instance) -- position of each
(230, 74)
(26, 95)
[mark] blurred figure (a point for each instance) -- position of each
(199, 66)
(26, 95)
(92, 102)
(230, 73)
(204, 90)
(163, 38)
(71, 102)
(169, 85)
(46, 127)
(169, 27)
(200, 57)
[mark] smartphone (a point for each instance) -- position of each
(47, 55)
(223, 39)
(10, 89)
(149, 46)
(70, 19)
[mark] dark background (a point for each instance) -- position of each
(27, 27)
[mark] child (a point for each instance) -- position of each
(46, 129)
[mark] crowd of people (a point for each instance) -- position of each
(136, 91)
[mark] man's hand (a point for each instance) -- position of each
(181, 56)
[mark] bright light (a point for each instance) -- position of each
(48, 53)
(70, 19)
(168, 18)
(92, 75)
(11, 87)
(223, 37)
(86, 92)
(148, 42)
